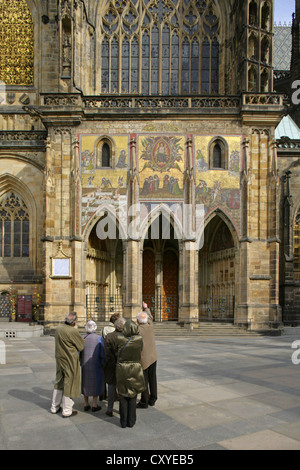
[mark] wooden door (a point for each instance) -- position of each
(170, 286)
(149, 280)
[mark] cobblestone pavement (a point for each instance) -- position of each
(214, 393)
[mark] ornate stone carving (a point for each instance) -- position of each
(16, 37)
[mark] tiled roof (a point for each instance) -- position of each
(282, 47)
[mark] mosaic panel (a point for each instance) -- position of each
(161, 166)
(218, 187)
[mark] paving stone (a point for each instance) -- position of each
(239, 403)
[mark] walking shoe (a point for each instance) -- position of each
(74, 413)
(96, 408)
(55, 412)
(141, 405)
(87, 408)
(109, 413)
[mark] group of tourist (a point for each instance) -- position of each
(119, 365)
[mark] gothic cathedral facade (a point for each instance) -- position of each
(138, 160)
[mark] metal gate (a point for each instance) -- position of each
(101, 307)
(5, 305)
(217, 308)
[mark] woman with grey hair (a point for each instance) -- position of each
(92, 361)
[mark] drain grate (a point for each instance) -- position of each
(10, 334)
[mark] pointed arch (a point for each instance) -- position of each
(103, 209)
(11, 185)
(169, 214)
(217, 212)
(218, 269)
(104, 268)
(9, 182)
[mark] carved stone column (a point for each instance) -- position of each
(188, 292)
(132, 266)
(258, 287)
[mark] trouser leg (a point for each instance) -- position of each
(145, 394)
(110, 396)
(123, 411)
(56, 400)
(67, 404)
(131, 419)
(152, 383)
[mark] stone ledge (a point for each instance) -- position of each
(10, 330)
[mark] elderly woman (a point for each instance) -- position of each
(92, 362)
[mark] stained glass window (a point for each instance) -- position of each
(14, 227)
(16, 37)
(160, 47)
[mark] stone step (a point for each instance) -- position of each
(173, 329)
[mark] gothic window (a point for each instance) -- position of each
(265, 16)
(265, 50)
(16, 37)
(253, 47)
(155, 47)
(264, 81)
(252, 79)
(253, 13)
(297, 247)
(218, 154)
(104, 153)
(14, 227)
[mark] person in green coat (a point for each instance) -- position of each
(68, 343)
(129, 372)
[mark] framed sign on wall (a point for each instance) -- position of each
(61, 264)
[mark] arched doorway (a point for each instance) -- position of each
(160, 270)
(217, 272)
(104, 275)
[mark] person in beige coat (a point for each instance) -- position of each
(148, 358)
(68, 343)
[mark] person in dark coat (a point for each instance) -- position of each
(92, 362)
(129, 372)
(148, 358)
(110, 345)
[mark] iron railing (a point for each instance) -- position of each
(217, 308)
(163, 307)
(101, 307)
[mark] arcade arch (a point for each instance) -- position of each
(218, 271)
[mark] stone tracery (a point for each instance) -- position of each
(160, 47)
